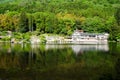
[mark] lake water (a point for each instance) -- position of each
(59, 62)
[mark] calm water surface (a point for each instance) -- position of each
(59, 62)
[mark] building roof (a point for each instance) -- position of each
(81, 32)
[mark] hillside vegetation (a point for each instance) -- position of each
(61, 16)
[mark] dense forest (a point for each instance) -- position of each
(61, 16)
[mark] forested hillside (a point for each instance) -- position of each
(61, 16)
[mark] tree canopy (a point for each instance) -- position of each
(61, 16)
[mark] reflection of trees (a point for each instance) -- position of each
(11, 54)
(27, 57)
(54, 57)
(62, 62)
(9, 61)
(117, 68)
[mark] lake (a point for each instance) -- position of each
(59, 62)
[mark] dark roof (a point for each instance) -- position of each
(92, 34)
(81, 32)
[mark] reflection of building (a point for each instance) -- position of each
(81, 48)
(47, 47)
(89, 38)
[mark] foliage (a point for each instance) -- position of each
(60, 16)
(23, 23)
(43, 39)
(117, 16)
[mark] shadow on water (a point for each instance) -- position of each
(59, 62)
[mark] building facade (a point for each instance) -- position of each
(79, 36)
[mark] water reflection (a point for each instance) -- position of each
(47, 47)
(34, 48)
(25, 55)
(80, 48)
(59, 62)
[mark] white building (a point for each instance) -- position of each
(54, 39)
(89, 38)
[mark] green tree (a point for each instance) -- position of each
(23, 23)
(112, 28)
(117, 16)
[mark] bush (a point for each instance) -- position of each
(43, 39)
(6, 39)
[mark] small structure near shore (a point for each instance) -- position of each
(35, 39)
(54, 39)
